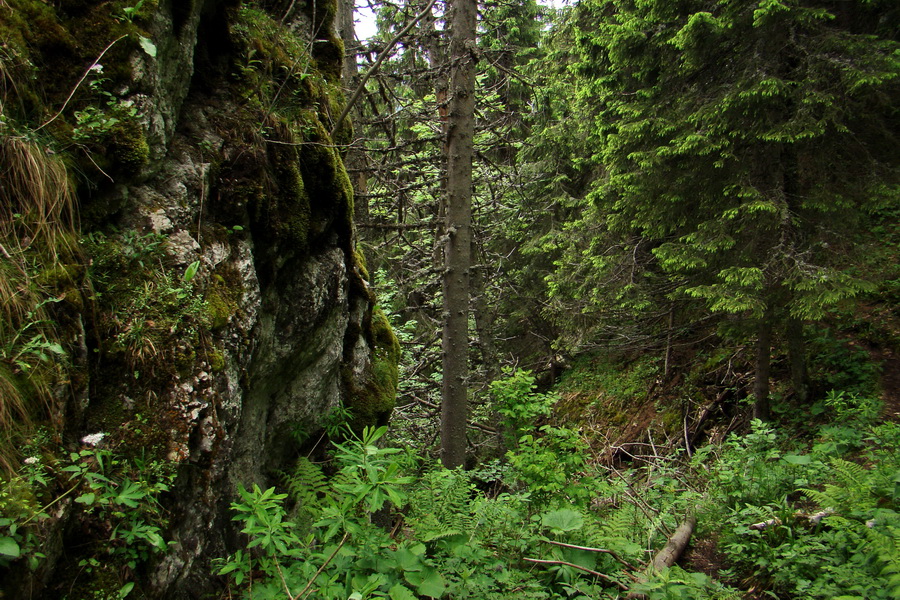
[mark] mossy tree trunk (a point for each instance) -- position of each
(457, 249)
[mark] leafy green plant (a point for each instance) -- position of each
(30, 344)
(827, 550)
(94, 124)
(129, 13)
(677, 584)
(117, 495)
(750, 469)
(850, 416)
(371, 476)
(839, 365)
(517, 401)
(551, 464)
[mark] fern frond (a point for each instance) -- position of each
(442, 505)
(626, 522)
(886, 544)
(851, 489)
(307, 484)
(438, 535)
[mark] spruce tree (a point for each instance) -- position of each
(741, 144)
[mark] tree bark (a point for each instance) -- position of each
(763, 366)
(797, 358)
(458, 237)
(671, 327)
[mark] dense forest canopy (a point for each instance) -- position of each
(509, 299)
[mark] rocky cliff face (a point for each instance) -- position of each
(223, 313)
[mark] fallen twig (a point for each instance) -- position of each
(602, 576)
(601, 550)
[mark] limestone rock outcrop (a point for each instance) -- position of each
(226, 310)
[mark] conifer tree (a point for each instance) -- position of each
(458, 236)
(742, 143)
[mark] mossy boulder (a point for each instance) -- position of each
(373, 397)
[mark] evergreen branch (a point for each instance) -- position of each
(374, 68)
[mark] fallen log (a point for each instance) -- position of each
(666, 557)
(814, 519)
(677, 543)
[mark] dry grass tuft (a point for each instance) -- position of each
(36, 199)
(36, 233)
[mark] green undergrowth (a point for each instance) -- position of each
(113, 484)
(551, 520)
(811, 520)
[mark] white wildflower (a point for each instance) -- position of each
(96, 68)
(32, 460)
(93, 439)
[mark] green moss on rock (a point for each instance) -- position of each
(326, 180)
(292, 202)
(221, 301)
(359, 261)
(128, 146)
(372, 402)
(216, 360)
(329, 55)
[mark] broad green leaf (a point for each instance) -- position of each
(797, 459)
(9, 547)
(401, 592)
(433, 585)
(408, 559)
(147, 46)
(191, 271)
(126, 589)
(561, 520)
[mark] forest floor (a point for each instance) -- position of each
(703, 554)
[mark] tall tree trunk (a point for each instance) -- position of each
(797, 358)
(763, 366)
(457, 250)
(484, 316)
